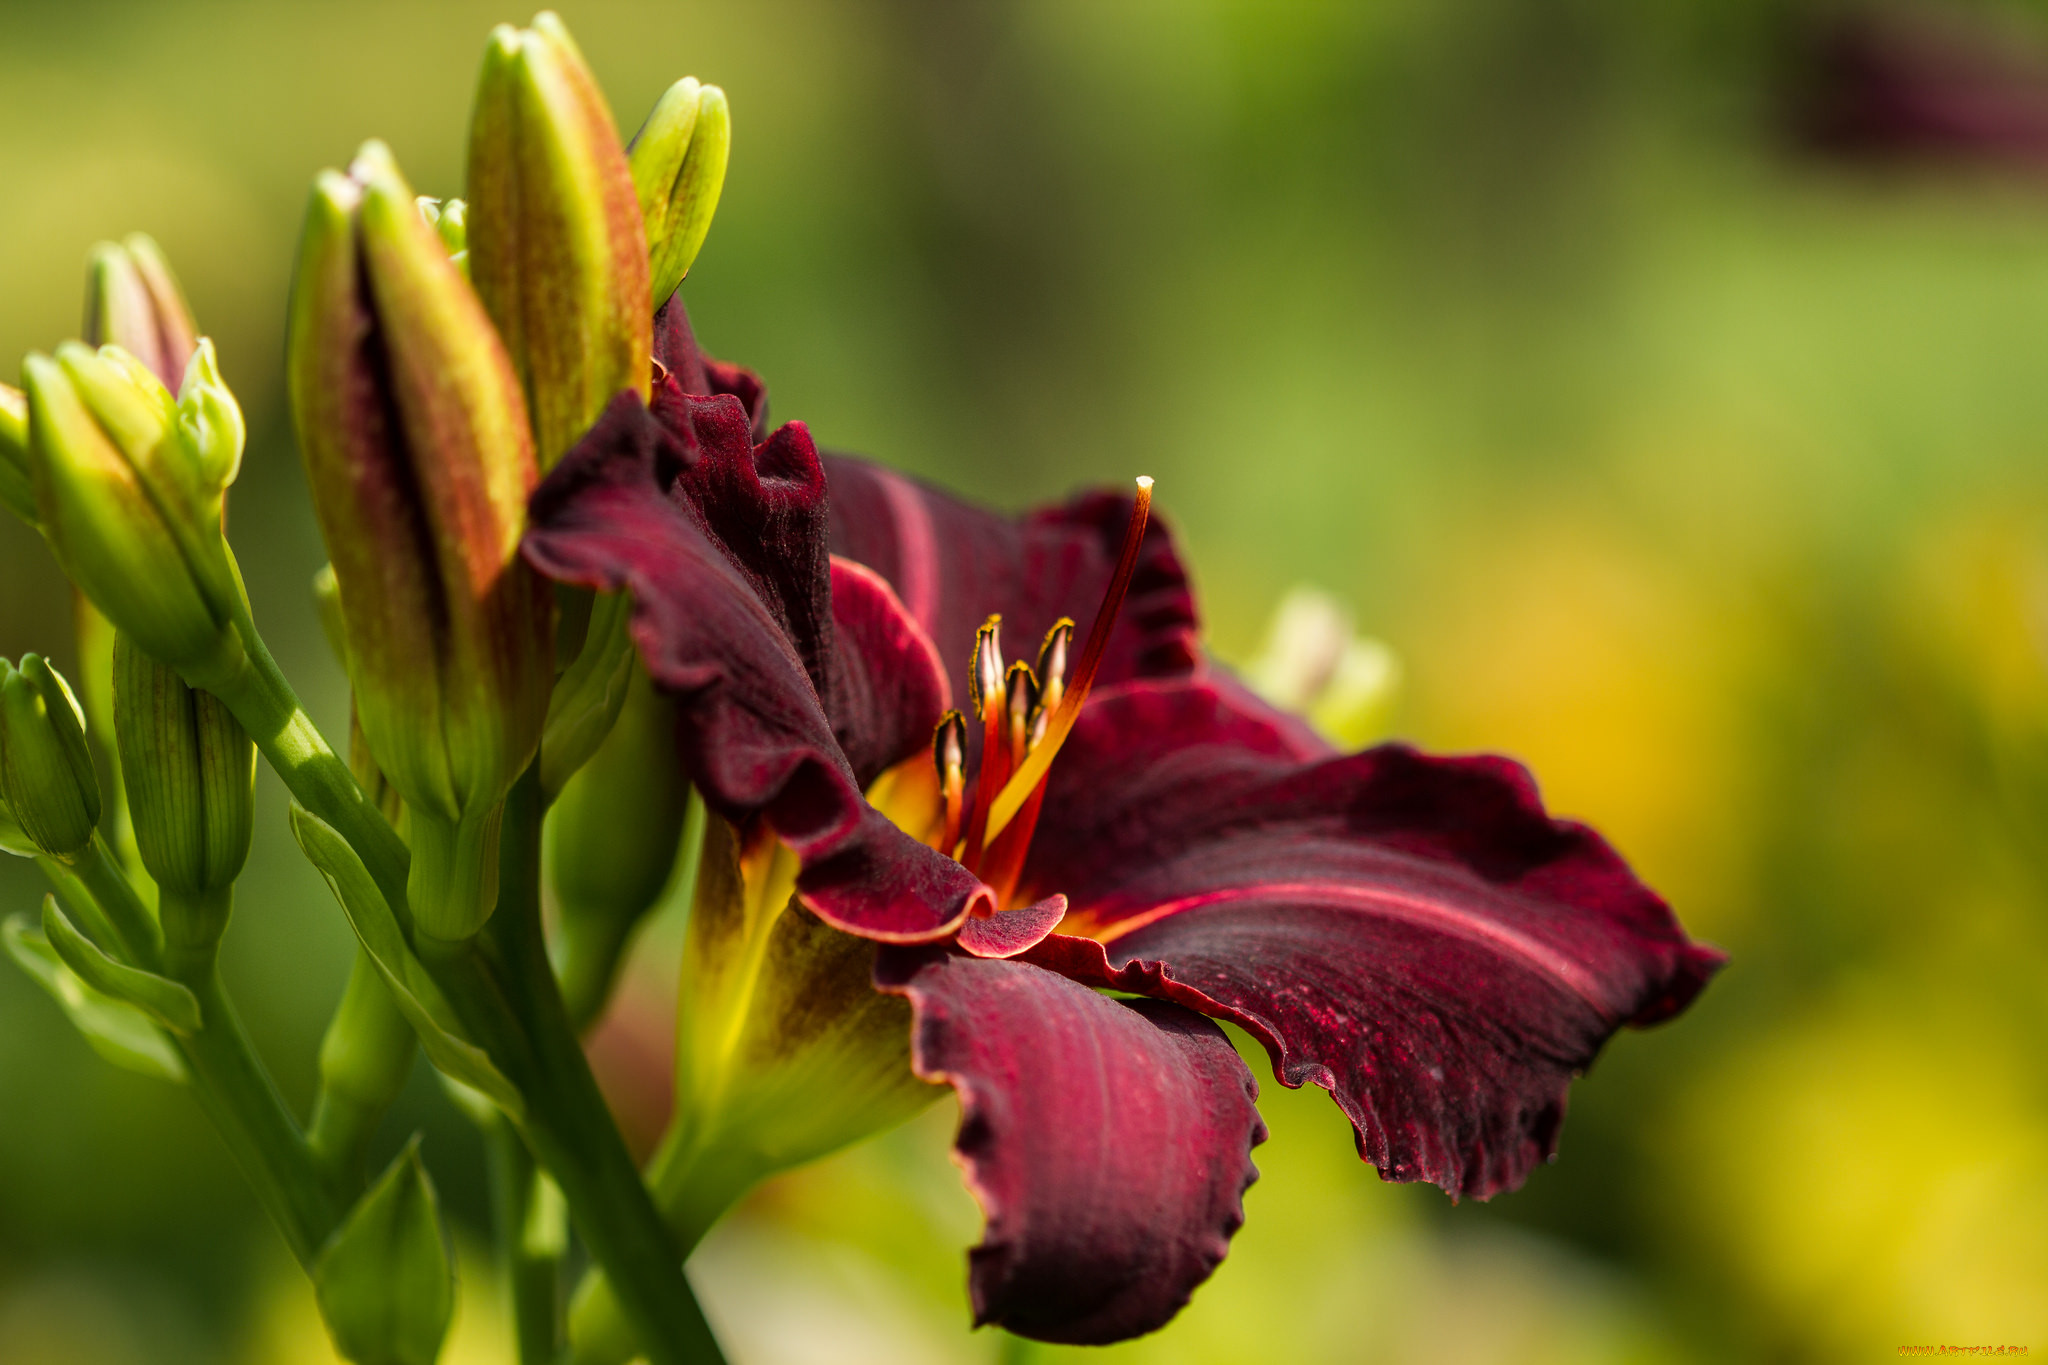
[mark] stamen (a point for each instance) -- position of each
(985, 669)
(1031, 772)
(987, 683)
(949, 755)
(1020, 686)
(1052, 665)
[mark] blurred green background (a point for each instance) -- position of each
(1700, 470)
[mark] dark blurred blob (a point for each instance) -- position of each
(1924, 84)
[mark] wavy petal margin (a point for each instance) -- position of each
(631, 507)
(1108, 1142)
(1414, 934)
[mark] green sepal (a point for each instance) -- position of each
(588, 697)
(166, 1001)
(415, 993)
(119, 1032)
(385, 1280)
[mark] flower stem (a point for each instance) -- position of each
(529, 1234)
(501, 985)
(364, 1060)
(255, 691)
(135, 929)
(238, 1095)
(503, 989)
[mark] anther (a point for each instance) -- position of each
(1052, 665)
(949, 756)
(1020, 690)
(985, 669)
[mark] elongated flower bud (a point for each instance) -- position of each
(46, 775)
(678, 160)
(129, 484)
(449, 218)
(416, 446)
(133, 301)
(555, 240)
(17, 487)
(190, 773)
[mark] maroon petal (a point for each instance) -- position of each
(953, 564)
(677, 353)
(889, 688)
(1414, 934)
(751, 728)
(1011, 932)
(1108, 1142)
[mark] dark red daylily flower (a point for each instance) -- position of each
(1414, 934)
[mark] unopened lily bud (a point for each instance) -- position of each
(133, 301)
(449, 218)
(129, 485)
(678, 160)
(555, 240)
(416, 446)
(46, 775)
(17, 487)
(190, 773)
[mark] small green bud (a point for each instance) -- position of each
(129, 485)
(556, 245)
(17, 486)
(133, 301)
(385, 1280)
(190, 773)
(678, 159)
(449, 218)
(46, 774)
(416, 446)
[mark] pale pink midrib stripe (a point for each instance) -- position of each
(916, 547)
(1413, 909)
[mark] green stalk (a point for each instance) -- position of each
(364, 1060)
(255, 691)
(237, 1092)
(530, 1236)
(135, 929)
(502, 986)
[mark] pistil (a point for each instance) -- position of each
(991, 818)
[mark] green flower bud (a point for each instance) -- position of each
(678, 159)
(386, 1280)
(190, 773)
(17, 487)
(416, 446)
(46, 775)
(555, 240)
(132, 301)
(449, 218)
(130, 483)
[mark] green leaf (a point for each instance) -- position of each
(162, 999)
(417, 997)
(118, 1031)
(385, 1280)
